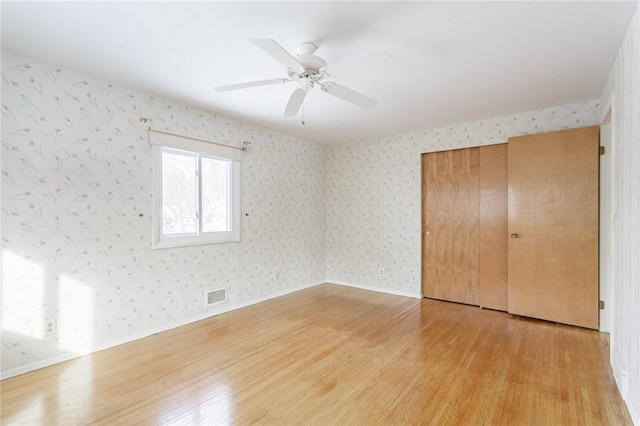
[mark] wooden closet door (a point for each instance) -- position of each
(553, 225)
(493, 227)
(450, 225)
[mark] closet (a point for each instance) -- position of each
(514, 226)
(464, 221)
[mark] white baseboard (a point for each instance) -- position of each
(378, 289)
(618, 366)
(633, 412)
(273, 296)
(102, 346)
(622, 382)
(212, 312)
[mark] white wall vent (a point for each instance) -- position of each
(215, 296)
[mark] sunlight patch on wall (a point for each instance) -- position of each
(22, 295)
(75, 321)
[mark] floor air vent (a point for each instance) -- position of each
(215, 296)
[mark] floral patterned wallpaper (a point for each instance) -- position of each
(374, 194)
(76, 216)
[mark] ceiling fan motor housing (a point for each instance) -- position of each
(311, 63)
(311, 70)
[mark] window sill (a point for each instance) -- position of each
(187, 242)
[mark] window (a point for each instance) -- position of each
(196, 191)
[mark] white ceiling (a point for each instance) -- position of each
(456, 61)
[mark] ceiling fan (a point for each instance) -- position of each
(309, 70)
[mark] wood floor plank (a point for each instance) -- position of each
(334, 355)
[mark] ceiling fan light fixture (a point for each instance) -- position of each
(306, 84)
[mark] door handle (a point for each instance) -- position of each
(514, 235)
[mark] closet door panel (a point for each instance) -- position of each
(553, 222)
(451, 225)
(493, 227)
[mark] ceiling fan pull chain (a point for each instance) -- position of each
(302, 112)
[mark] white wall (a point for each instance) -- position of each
(76, 175)
(623, 92)
(374, 194)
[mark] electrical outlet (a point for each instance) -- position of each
(381, 272)
(50, 328)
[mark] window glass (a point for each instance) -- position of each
(216, 195)
(179, 189)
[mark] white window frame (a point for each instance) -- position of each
(163, 141)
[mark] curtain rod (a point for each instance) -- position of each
(167, 132)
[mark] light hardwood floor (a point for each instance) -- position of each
(334, 355)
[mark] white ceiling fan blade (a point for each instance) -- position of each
(295, 102)
(278, 53)
(359, 66)
(349, 95)
(251, 84)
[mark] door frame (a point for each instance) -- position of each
(606, 218)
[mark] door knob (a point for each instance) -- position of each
(514, 235)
